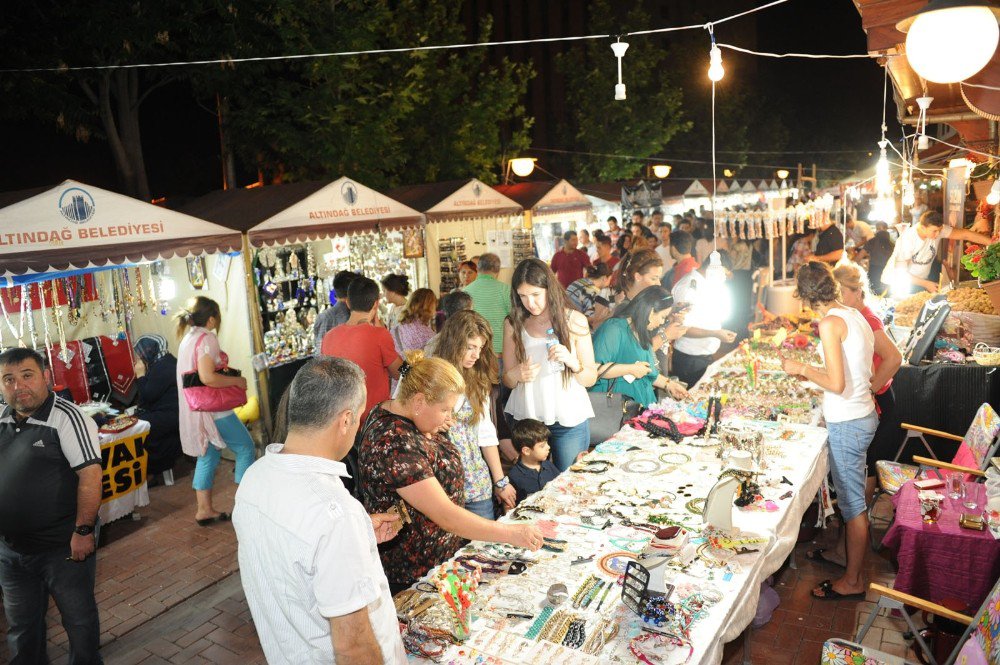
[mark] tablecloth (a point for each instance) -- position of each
(650, 477)
(942, 560)
(123, 458)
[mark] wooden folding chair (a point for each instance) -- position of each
(973, 455)
(980, 643)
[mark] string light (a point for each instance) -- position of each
(883, 179)
(715, 68)
(924, 103)
(619, 47)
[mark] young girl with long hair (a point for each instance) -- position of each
(466, 341)
(548, 372)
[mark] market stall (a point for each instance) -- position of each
(707, 517)
(550, 209)
(342, 226)
(87, 271)
(466, 218)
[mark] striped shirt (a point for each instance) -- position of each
(491, 298)
(39, 458)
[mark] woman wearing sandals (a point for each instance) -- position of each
(204, 434)
(847, 344)
(548, 360)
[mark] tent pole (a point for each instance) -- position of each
(257, 330)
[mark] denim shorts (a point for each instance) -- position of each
(849, 442)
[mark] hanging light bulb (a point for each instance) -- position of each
(993, 198)
(948, 41)
(715, 69)
(522, 166)
(908, 197)
(717, 296)
(883, 179)
(962, 161)
(619, 48)
(923, 141)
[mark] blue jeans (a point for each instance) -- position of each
(238, 440)
(849, 441)
(568, 442)
(482, 508)
(27, 580)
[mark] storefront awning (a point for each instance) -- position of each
(76, 226)
(342, 207)
(542, 198)
(456, 200)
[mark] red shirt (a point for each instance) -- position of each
(568, 266)
(683, 267)
(876, 325)
(372, 349)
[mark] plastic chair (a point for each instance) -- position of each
(972, 457)
(980, 643)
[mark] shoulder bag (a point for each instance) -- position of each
(200, 397)
(611, 409)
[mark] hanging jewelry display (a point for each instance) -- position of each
(65, 354)
(46, 334)
(19, 333)
(310, 261)
(126, 292)
(26, 297)
(140, 293)
(152, 287)
(120, 315)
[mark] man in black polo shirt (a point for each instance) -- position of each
(50, 490)
(829, 243)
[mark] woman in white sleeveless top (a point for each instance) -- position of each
(531, 357)
(847, 343)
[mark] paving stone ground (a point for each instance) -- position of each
(168, 591)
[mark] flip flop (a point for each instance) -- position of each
(829, 593)
(817, 555)
(221, 517)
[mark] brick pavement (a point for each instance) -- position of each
(168, 592)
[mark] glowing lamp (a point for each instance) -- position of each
(715, 69)
(717, 296)
(522, 166)
(960, 162)
(782, 174)
(950, 40)
(908, 196)
(883, 179)
(993, 198)
(661, 170)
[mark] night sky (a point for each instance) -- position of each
(831, 106)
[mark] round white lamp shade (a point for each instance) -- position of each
(522, 166)
(950, 40)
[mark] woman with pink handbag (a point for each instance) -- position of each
(210, 393)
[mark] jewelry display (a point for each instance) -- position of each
(641, 466)
(675, 458)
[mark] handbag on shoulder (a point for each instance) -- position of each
(200, 397)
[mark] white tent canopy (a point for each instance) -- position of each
(78, 226)
(343, 206)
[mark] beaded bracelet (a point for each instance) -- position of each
(540, 621)
(593, 593)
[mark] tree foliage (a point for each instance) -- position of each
(385, 119)
(641, 125)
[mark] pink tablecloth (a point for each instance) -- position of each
(942, 560)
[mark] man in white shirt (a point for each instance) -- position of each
(693, 352)
(917, 248)
(307, 549)
(663, 249)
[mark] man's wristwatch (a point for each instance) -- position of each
(83, 529)
(503, 483)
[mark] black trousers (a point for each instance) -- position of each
(689, 369)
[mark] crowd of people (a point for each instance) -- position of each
(422, 419)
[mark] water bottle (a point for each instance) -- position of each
(550, 341)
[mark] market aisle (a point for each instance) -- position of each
(147, 567)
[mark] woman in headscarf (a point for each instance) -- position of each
(155, 371)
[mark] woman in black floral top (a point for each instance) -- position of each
(403, 455)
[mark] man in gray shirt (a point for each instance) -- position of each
(331, 317)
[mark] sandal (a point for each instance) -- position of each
(221, 517)
(817, 555)
(829, 593)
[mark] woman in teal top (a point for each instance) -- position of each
(626, 340)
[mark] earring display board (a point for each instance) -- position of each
(452, 253)
(290, 295)
(523, 245)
